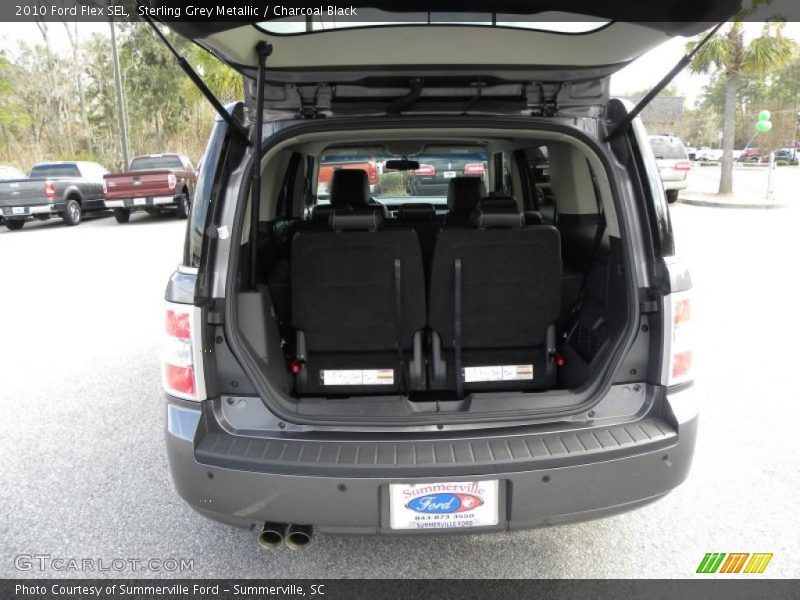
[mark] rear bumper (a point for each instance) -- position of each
(140, 202)
(547, 478)
(677, 184)
(24, 211)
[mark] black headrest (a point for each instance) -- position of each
(464, 193)
(498, 204)
(356, 220)
(349, 187)
(322, 212)
(417, 211)
(509, 204)
(497, 219)
(533, 217)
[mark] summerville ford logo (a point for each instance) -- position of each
(446, 501)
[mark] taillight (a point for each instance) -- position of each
(680, 364)
(180, 377)
(178, 325)
(171, 181)
(474, 169)
(50, 190)
(425, 170)
(372, 174)
(683, 165)
(105, 187)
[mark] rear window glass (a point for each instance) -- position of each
(428, 183)
(668, 148)
(66, 170)
(313, 21)
(151, 163)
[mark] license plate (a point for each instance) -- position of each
(444, 505)
(19, 210)
(449, 174)
(139, 201)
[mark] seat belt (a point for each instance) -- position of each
(598, 239)
(308, 196)
(398, 316)
(457, 329)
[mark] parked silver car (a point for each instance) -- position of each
(673, 163)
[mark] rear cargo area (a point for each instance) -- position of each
(503, 288)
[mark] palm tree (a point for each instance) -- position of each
(731, 56)
(227, 84)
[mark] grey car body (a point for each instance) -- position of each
(238, 457)
(629, 448)
(6, 173)
(65, 189)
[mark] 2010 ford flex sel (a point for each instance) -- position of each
(505, 353)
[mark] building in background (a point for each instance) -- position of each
(664, 115)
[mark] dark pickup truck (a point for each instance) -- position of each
(64, 189)
(152, 183)
(433, 176)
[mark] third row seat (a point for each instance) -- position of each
(359, 306)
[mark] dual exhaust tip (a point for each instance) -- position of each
(294, 536)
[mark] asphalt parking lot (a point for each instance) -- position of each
(85, 476)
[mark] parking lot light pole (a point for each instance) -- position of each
(123, 124)
(770, 171)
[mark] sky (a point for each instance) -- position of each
(643, 73)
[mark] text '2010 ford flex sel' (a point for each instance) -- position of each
(506, 350)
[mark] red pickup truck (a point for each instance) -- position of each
(330, 164)
(153, 182)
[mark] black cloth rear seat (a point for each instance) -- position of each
(349, 193)
(494, 297)
(358, 294)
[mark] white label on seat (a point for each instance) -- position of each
(498, 373)
(358, 377)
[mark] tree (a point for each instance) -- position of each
(156, 104)
(731, 56)
(13, 117)
(62, 105)
(224, 82)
